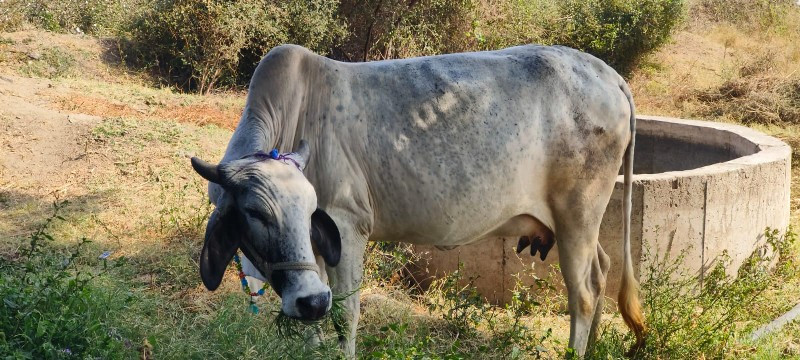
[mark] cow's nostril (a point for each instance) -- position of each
(313, 307)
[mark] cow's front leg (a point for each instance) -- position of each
(345, 280)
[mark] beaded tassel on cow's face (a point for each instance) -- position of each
(245, 286)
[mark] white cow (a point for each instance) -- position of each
(443, 150)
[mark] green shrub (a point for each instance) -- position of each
(77, 16)
(399, 29)
(619, 32)
(50, 308)
(469, 327)
(457, 299)
(389, 264)
(203, 44)
(515, 22)
(512, 337)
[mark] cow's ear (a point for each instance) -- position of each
(326, 238)
(221, 243)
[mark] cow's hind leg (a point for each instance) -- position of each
(599, 278)
(581, 266)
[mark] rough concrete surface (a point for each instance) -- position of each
(700, 187)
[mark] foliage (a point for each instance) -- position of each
(202, 44)
(469, 327)
(753, 95)
(100, 17)
(50, 307)
(388, 29)
(692, 318)
(393, 343)
(458, 301)
(618, 32)
(504, 23)
(512, 337)
(390, 264)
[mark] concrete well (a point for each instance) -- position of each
(700, 187)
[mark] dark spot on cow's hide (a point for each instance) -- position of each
(339, 108)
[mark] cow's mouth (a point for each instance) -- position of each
(312, 322)
(305, 321)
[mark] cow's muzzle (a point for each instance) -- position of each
(313, 307)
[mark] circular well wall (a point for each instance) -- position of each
(699, 187)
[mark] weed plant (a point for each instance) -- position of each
(50, 306)
(690, 318)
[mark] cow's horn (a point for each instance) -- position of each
(208, 171)
(304, 151)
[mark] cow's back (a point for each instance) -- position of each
(457, 143)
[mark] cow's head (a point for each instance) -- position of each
(269, 210)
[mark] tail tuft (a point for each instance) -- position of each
(628, 299)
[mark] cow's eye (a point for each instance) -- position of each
(257, 215)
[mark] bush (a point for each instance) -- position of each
(49, 307)
(399, 29)
(100, 17)
(618, 32)
(505, 23)
(202, 44)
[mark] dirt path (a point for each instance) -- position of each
(44, 149)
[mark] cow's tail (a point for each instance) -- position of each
(628, 299)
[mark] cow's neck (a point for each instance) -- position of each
(283, 107)
(264, 126)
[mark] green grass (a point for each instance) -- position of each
(52, 63)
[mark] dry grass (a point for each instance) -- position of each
(196, 114)
(726, 65)
(753, 97)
